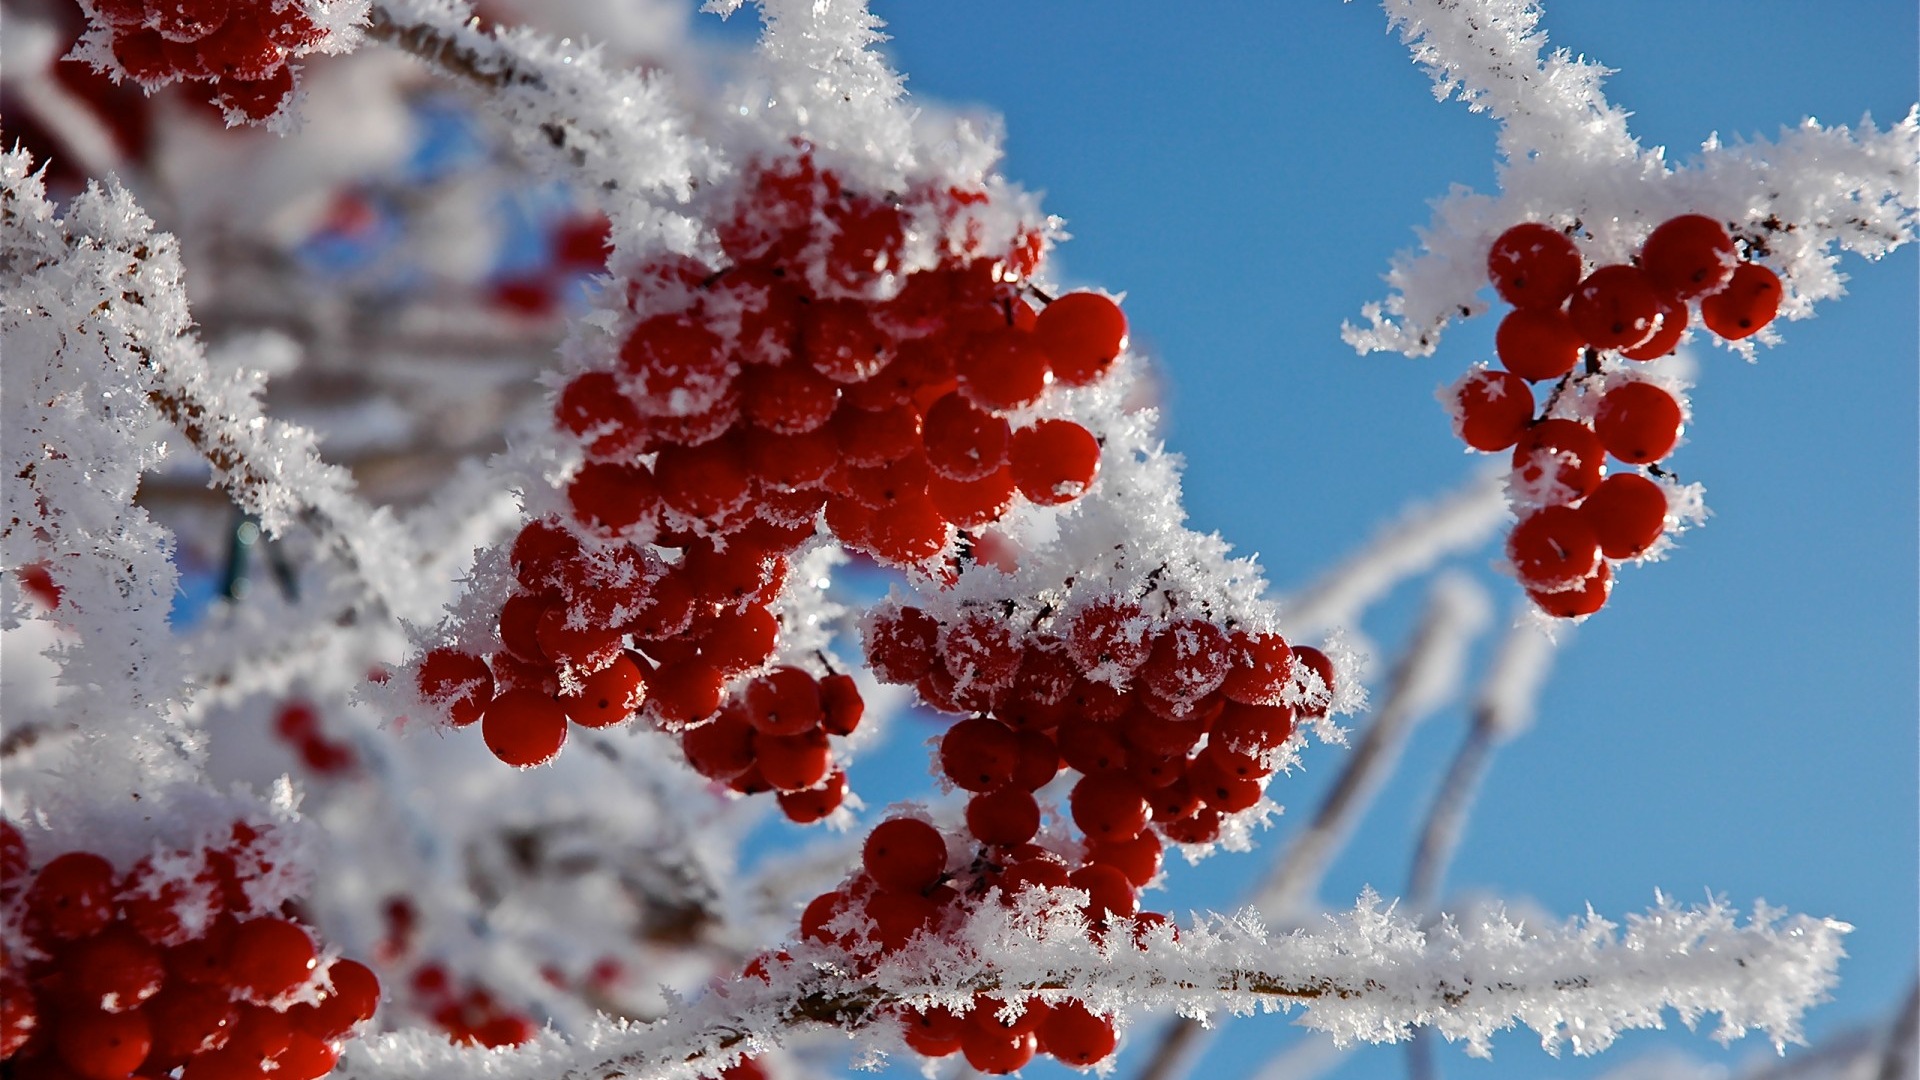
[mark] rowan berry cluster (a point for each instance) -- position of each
(297, 724)
(175, 963)
(856, 361)
(238, 49)
(472, 1016)
(575, 245)
(1582, 329)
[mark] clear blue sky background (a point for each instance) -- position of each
(1742, 717)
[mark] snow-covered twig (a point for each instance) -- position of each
(1369, 974)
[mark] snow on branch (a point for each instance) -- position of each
(1367, 975)
(1568, 158)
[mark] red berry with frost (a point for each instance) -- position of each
(1003, 370)
(1008, 816)
(1082, 334)
(594, 408)
(1616, 307)
(1557, 461)
(788, 399)
(840, 704)
(981, 649)
(1492, 408)
(909, 532)
(1262, 669)
(904, 854)
(722, 748)
(187, 1021)
(706, 483)
(72, 897)
(979, 754)
(794, 762)
(1138, 858)
(1109, 893)
(1673, 326)
(101, 1045)
(1585, 598)
(1533, 266)
(1637, 422)
(1190, 659)
(269, 957)
(13, 860)
(1747, 304)
(613, 496)
(1627, 512)
(1054, 461)
(784, 701)
(1253, 729)
(349, 999)
(676, 366)
(997, 1053)
(1109, 806)
(1553, 548)
(869, 438)
(1538, 343)
(257, 100)
(113, 971)
(1316, 675)
(815, 803)
(739, 641)
(900, 643)
(1076, 1036)
(1689, 256)
(458, 682)
(609, 697)
(839, 340)
(1110, 637)
(684, 693)
(524, 728)
(963, 442)
(971, 504)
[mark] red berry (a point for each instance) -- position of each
(1109, 893)
(542, 553)
(1082, 334)
(814, 804)
(1638, 422)
(1138, 858)
(1089, 746)
(567, 637)
(1316, 675)
(613, 496)
(789, 399)
(677, 367)
(19, 1013)
(839, 340)
(841, 704)
(1190, 659)
(981, 650)
(1689, 256)
(1673, 326)
(900, 643)
(1748, 303)
(1627, 512)
(269, 957)
(72, 897)
(608, 697)
(187, 1021)
(1006, 817)
(1616, 307)
(684, 693)
(1054, 461)
(1557, 461)
(794, 762)
(593, 407)
(722, 748)
(113, 971)
(1553, 548)
(907, 533)
(351, 997)
(1492, 408)
(899, 916)
(1253, 729)
(979, 754)
(1076, 1036)
(1200, 825)
(1262, 669)
(740, 641)
(871, 438)
(971, 504)
(904, 854)
(458, 682)
(1585, 598)
(1003, 370)
(1109, 636)
(258, 100)
(1538, 343)
(101, 1045)
(305, 1058)
(187, 20)
(524, 728)
(866, 243)
(707, 483)
(1109, 806)
(784, 701)
(1533, 266)
(962, 442)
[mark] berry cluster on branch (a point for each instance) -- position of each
(1586, 331)
(186, 959)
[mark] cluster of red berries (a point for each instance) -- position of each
(238, 48)
(773, 735)
(752, 399)
(1171, 720)
(297, 723)
(473, 1016)
(167, 966)
(1567, 324)
(575, 245)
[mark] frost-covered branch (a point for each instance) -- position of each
(1569, 158)
(1368, 975)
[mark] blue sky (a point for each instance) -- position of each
(1741, 718)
